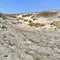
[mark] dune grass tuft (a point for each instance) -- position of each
(36, 24)
(56, 23)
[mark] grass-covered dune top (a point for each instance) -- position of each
(46, 14)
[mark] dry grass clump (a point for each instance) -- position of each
(46, 14)
(25, 20)
(36, 24)
(13, 16)
(56, 23)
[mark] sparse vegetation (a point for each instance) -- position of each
(20, 18)
(26, 15)
(13, 16)
(56, 23)
(2, 16)
(3, 26)
(46, 14)
(36, 24)
(25, 20)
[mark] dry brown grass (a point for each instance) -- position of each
(46, 14)
(13, 16)
(27, 15)
(56, 23)
(36, 24)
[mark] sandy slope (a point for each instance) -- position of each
(19, 41)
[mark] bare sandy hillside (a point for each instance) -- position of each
(30, 36)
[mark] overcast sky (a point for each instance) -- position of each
(23, 6)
